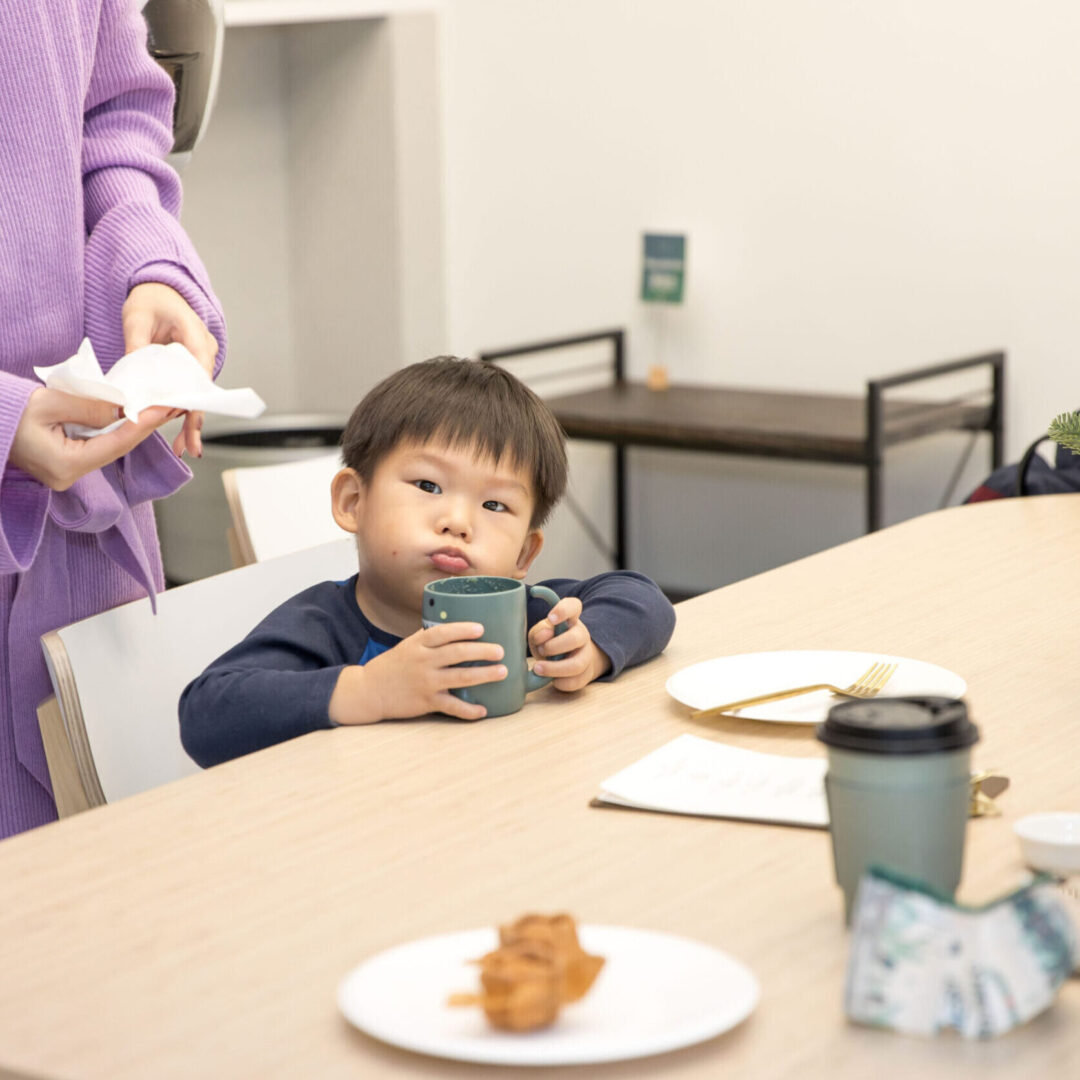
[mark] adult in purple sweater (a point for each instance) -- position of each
(90, 245)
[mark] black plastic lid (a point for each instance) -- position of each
(899, 725)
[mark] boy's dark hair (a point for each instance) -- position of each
(466, 403)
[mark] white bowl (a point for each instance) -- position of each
(1050, 841)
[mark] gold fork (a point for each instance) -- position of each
(869, 684)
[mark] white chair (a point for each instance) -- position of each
(112, 728)
(280, 508)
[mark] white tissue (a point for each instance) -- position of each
(153, 375)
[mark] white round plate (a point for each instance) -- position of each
(656, 992)
(730, 678)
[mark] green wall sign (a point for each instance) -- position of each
(663, 274)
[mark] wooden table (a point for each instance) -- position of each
(200, 929)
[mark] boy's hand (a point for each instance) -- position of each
(416, 676)
(583, 661)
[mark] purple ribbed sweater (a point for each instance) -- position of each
(88, 209)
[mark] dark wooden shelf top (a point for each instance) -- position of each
(770, 423)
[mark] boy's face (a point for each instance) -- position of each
(431, 511)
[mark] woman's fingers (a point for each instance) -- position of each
(56, 407)
(43, 449)
(193, 423)
(188, 438)
(204, 346)
(179, 444)
(139, 322)
(95, 452)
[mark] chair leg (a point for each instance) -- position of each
(63, 772)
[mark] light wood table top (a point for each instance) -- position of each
(201, 929)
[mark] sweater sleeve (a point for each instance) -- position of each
(628, 616)
(131, 194)
(274, 685)
(23, 501)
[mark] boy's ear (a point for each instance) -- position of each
(529, 550)
(347, 499)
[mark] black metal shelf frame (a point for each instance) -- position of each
(876, 440)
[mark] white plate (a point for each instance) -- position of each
(730, 678)
(656, 992)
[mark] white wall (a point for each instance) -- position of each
(236, 188)
(316, 202)
(866, 187)
(315, 199)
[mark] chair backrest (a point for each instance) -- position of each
(118, 676)
(280, 508)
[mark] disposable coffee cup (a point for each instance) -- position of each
(899, 789)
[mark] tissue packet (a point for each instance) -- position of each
(921, 963)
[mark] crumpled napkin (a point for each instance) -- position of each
(153, 375)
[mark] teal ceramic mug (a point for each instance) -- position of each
(500, 605)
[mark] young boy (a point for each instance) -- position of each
(451, 468)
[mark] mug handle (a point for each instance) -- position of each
(532, 680)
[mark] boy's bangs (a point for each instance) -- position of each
(464, 404)
(486, 443)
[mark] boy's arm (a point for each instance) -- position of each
(274, 685)
(300, 670)
(629, 618)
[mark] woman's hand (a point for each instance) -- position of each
(154, 314)
(41, 448)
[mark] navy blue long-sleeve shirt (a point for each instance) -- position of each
(276, 683)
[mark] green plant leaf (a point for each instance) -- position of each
(1065, 430)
